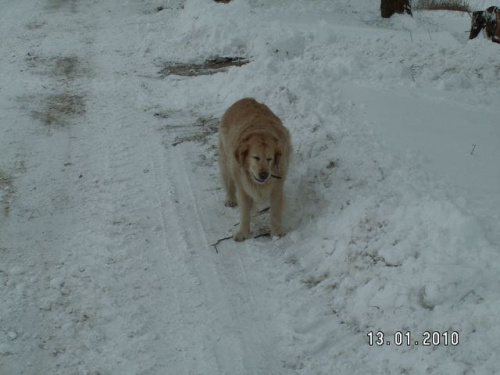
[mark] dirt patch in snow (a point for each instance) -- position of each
(59, 108)
(208, 67)
(55, 110)
(62, 5)
(7, 191)
(35, 25)
(170, 7)
(197, 131)
(66, 68)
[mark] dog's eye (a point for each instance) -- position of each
(269, 159)
(256, 158)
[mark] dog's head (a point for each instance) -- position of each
(260, 156)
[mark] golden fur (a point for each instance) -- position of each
(254, 151)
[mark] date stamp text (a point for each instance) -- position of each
(406, 338)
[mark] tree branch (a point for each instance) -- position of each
(267, 234)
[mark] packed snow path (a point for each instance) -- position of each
(110, 270)
(110, 198)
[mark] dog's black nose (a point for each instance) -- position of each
(263, 175)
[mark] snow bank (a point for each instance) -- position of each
(376, 243)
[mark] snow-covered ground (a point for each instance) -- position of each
(110, 199)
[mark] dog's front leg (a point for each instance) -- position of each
(277, 210)
(245, 203)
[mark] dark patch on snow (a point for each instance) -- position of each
(35, 25)
(57, 110)
(62, 5)
(208, 67)
(61, 107)
(197, 131)
(172, 6)
(66, 68)
(312, 281)
(7, 191)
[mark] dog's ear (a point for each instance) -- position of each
(277, 157)
(278, 152)
(241, 153)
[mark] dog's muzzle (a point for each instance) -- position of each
(262, 178)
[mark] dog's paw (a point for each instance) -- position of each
(241, 236)
(277, 232)
(230, 203)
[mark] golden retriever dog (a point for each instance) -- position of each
(254, 151)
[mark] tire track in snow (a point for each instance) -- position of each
(240, 318)
(144, 271)
(146, 321)
(211, 323)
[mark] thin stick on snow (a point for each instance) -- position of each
(258, 213)
(473, 148)
(228, 238)
(219, 241)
